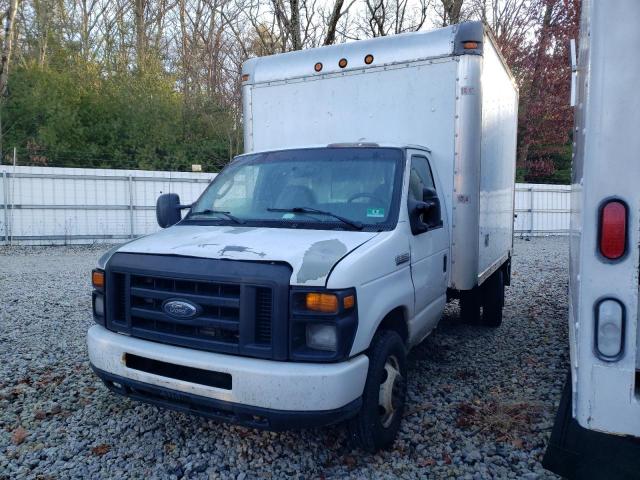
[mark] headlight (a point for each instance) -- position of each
(322, 336)
(323, 324)
(98, 305)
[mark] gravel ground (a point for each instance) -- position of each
(480, 404)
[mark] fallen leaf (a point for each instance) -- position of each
(349, 461)
(101, 449)
(18, 435)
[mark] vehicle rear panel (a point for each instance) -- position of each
(606, 167)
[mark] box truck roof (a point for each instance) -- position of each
(342, 145)
(464, 38)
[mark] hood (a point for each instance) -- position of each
(311, 253)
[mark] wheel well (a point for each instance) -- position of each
(396, 321)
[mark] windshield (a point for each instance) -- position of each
(345, 188)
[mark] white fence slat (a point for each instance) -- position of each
(49, 205)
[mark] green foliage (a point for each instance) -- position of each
(79, 115)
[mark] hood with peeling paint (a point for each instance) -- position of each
(311, 253)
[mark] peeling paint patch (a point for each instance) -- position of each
(239, 249)
(319, 259)
(240, 230)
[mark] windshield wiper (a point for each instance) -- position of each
(354, 223)
(219, 212)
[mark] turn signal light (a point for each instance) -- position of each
(97, 279)
(322, 302)
(470, 45)
(613, 230)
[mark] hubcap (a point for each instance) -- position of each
(390, 395)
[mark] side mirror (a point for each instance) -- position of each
(425, 215)
(168, 209)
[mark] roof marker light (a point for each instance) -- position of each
(368, 59)
(342, 63)
(318, 67)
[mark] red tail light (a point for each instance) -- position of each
(613, 229)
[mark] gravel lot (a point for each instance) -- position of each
(481, 402)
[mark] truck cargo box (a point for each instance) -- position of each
(448, 90)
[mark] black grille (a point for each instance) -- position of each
(263, 315)
(234, 318)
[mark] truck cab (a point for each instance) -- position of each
(290, 292)
(291, 259)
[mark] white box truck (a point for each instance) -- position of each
(377, 184)
(597, 430)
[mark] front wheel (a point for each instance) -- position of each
(376, 425)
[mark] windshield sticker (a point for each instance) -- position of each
(375, 212)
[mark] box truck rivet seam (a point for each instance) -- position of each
(290, 292)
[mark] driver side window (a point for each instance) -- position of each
(420, 177)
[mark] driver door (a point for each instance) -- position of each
(429, 251)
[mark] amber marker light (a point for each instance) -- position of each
(342, 63)
(318, 67)
(368, 59)
(348, 302)
(97, 279)
(470, 45)
(245, 77)
(322, 302)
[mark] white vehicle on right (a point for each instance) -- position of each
(597, 430)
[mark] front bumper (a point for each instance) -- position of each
(284, 387)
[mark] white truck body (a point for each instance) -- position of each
(600, 408)
(418, 90)
(258, 309)
(605, 167)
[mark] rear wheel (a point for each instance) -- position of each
(376, 425)
(493, 300)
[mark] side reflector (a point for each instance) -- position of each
(613, 230)
(609, 329)
(245, 77)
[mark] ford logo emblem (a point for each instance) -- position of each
(183, 309)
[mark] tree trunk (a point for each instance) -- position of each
(452, 10)
(294, 25)
(6, 58)
(336, 13)
(141, 40)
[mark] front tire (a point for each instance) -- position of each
(377, 424)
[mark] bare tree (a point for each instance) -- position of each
(390, 17)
